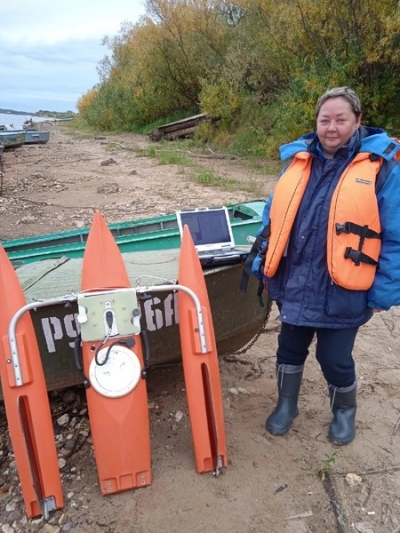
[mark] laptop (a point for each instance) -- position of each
(212, 236)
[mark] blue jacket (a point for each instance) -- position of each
(302, 287)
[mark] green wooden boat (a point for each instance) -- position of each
(141, 235)
(237, 315)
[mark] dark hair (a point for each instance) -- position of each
(344, 92)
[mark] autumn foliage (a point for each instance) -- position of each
(255, 64)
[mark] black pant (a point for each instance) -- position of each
(333, 351)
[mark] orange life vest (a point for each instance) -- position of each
(354, 229)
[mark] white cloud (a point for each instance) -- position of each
(49, 49)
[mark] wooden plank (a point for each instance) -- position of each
(179, 128)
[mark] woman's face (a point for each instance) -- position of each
(336, 123)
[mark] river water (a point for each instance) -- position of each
(18, 120)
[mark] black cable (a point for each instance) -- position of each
(78, 353)
(109, 319)
(78, 359)
(129, 343)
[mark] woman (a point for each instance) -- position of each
(333, 255)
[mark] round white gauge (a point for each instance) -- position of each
(119, 375)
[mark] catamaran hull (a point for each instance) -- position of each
(237, 318)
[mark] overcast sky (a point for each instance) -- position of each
(49, 49)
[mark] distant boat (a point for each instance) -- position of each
(12, 139)
(7, 127)
(33, 136)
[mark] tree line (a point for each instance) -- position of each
(255, 66)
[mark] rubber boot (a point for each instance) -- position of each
(289, 380)
(344, 406)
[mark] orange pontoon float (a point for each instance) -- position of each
(200, 364)
(113, 362)
(26, 400)
(112, 353)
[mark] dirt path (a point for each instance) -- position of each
(272, 484)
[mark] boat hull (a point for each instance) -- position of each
(17, 138)
(36, 137)
(141, 235)
(12, 139)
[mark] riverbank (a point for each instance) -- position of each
(58, 186)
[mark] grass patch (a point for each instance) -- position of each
(173, 158)
(146, 152)
(168, 153)
(79, 129)
(267, 167)
(164, 157)
(209, 179)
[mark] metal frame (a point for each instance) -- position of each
(12, 338)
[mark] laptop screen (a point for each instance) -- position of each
(209, 227)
